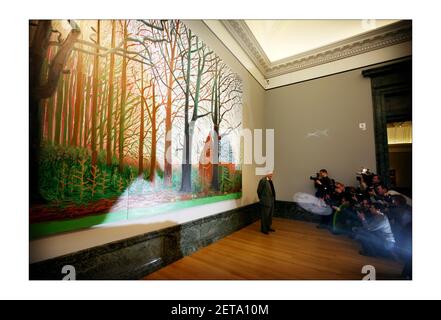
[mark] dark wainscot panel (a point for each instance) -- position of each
(291, 210)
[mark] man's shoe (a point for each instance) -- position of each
(265, 232)
(272, 230)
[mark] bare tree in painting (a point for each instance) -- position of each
(110, 98)
(94, 110)
(190, 44)
(123, 99)
(226, 95)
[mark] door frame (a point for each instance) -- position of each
(386, 80)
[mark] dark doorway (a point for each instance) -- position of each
(392, 104)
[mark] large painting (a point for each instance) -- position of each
(128, 118)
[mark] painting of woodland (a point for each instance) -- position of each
(127, 118)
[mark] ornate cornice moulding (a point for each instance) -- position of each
(372, 40)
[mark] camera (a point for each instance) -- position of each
(324, 185)
(366, 174)
(357, 194)
(317, 177)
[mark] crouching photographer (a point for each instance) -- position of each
(376, 235)
(345, 216)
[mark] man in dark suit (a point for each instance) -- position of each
(267, 197)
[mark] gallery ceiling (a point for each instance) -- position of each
(281, 39)
(280, 52)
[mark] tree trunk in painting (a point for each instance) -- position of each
(87, 112)
(115, 127)
(59, 109)
(215, 117)
(186, 165)
(65, 112)
(141, 128)
(95, 97)
(110, 100)
(103, 100)
(189, 127)
(122, 114)
(81, 126)
(78, 100)
(50, 109)
(50, 120)
(153, 146)
(168, 160)
(215, 160)
(168, 128)
(72, 100)
(43, 108)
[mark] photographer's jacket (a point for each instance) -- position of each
(324, 188)
(381, 227)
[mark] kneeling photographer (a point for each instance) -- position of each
(376, 236)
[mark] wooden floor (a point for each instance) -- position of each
(297, 250)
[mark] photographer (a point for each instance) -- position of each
(345, 216)
(367, 179)
(322, 183)
(336, 196)
(376, 235)
(382, 195)
(376, 181)
(400, 216)
(325, 188)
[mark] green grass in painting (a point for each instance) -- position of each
(38, 230)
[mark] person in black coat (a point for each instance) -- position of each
(323, 184)
(267, 197)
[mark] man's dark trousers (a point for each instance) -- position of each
(267, 197)
(267, 217)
